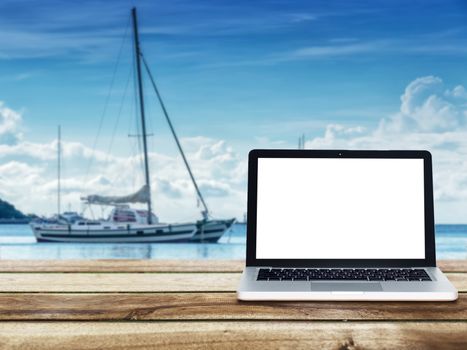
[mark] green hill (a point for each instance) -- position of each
(8, 211)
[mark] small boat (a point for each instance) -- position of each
(96, 231)
(105, 232)
(126, 224)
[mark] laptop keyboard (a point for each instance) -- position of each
(290, 274)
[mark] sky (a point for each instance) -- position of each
(234, 76)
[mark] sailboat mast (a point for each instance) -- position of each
(141, 104)
(59, 156)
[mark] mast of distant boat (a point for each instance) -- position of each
(141, 104)
(301, 142)
(59, 146)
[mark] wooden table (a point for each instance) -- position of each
(139, 304)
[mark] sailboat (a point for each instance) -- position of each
(126, 224)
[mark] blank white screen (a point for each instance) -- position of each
(340, 209)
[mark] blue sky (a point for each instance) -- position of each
(249, 73)
(249, 65)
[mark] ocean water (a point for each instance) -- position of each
(18, 242)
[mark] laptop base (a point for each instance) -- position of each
(439, 289)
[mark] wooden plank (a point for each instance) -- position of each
(213, 306)
(234, 335)
(459, 280)
(453, 265)
(155, 265)
(137, 282)
(122, 265)
(117, 282)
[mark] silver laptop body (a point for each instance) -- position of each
(341, 225)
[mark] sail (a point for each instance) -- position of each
(141, 196)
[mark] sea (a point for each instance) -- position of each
(18, 242)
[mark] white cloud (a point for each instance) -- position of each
(214, 188)
(17, 182)
(428, 44)
(10, 125)
(302, 17)
(458, 91)
(430, 117)
(334, 50)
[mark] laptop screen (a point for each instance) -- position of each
(334, 208)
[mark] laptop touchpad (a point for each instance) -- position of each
(346, 287)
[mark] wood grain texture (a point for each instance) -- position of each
(453, 265)
(459, 280)
(155, 265)
(138, 282)
(118, 282)
(213, 306)
(233, 335)
(147, 304)
(122, 265)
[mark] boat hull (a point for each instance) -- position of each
(205, 231)
(210, 231)
(155, 234)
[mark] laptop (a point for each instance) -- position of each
(341, 225)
